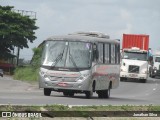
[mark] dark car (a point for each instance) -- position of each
(1, 72)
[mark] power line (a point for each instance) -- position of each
(30, 14)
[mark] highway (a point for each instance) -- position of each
(128, 93)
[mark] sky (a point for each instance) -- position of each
(112, 17)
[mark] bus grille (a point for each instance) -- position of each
(133, 69)
(64, 79)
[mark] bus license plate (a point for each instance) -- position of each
(62, 84)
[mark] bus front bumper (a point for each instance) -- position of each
(60, 86)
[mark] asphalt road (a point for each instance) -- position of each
(128, 93)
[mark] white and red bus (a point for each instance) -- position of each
(84, 62)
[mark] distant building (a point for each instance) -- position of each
(7, 65)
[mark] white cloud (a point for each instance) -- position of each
(113, 17)
(128, 29)
(125, 14)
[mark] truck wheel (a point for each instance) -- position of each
(47, 91)
(122, 79)
(143, 80)
(152, 76)
(149, 74)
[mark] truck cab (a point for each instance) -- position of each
(154, 69)
(134, 64)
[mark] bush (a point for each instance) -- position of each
(30, 73)
(26, 73)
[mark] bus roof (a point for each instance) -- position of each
(79, 37)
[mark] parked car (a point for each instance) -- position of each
(1, 72)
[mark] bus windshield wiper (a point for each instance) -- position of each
(73, 61)
(58, 58)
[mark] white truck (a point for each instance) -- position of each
(134, 64)
(154, 69)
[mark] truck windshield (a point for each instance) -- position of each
(157, 59)
(135, 56)
(64, 54)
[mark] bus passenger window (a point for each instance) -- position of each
(112, 53)
(95, 52)
(100, 49)
(117, 53)
(107, 58)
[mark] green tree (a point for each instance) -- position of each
(16, 30)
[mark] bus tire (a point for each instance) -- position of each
(71, 94)
(100, 94)
(89, 94)
(104, 93)
(107, 92)
(107, 95)
(47, 91)
(65, 93)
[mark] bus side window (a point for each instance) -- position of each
(107, 54)
(112, 53)
(117, 53)
(95, 52)
(101, 54)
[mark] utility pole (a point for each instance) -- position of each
(30, 14)
(18, 50)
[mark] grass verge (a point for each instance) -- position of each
(84, 111)
(27, 73)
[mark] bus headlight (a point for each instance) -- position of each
(82, 77)
(42, 73)
(46, 77)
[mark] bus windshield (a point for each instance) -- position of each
(64, 54)
(135, 56)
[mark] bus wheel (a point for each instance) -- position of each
(107, 95)
(71, 94)
(100, 94)
(47, 91)
(89, 94)
(65, 93)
